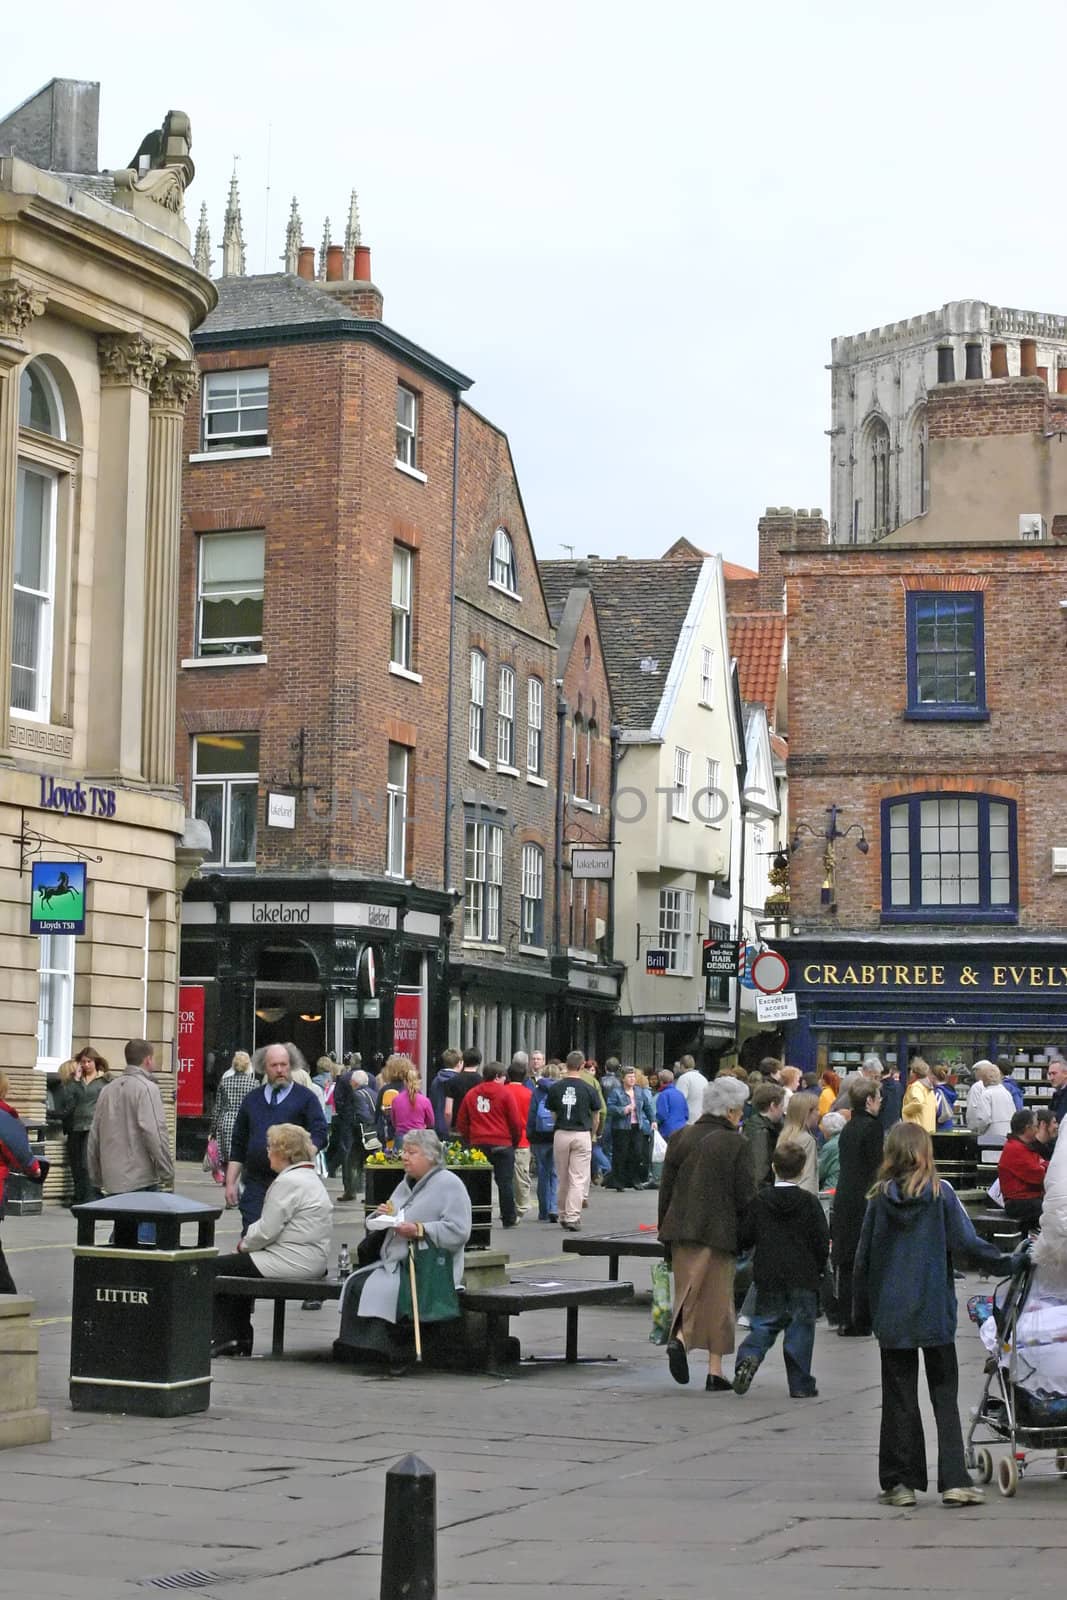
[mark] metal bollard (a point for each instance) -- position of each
(409, 1533)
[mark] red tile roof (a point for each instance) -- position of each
(735, 574)
(757, 640)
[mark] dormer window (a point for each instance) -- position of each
(502, 570)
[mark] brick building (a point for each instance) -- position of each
(583, 857)
(502, 788)
(315, 614)
(923, 720)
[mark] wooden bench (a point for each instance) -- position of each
(998, 1228)
(500, 1302)
(614, 1245)
(281, 1291)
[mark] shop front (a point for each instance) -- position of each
(586, 1015)
(330, 966)
(952, 1001)
(499, 1009)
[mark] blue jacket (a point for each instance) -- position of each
(249, 1142)
(672, 1110)
(15, 1152)
(892, 1101)
(438, 1093)
(902, 1277)
(619, 1108)
(1015, 1092)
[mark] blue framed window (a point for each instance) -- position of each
(946, 656)
(949, 858)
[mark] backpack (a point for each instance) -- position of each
(544, 1119)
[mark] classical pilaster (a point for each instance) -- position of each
(128, 365)
(172, 388)
(19, 304)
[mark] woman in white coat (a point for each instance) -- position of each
(290, 1240)
(990, 1107)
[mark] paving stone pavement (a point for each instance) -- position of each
(607, 1479)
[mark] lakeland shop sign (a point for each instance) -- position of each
(957, 977)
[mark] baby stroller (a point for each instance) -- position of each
(1007, 1410)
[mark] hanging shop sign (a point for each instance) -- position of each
(586, 863)
(657, 961)
(719, 958)
(57, 897)
(190, 1099)
(281, 811)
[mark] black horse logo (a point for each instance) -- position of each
(56, 891)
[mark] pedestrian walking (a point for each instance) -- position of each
(249, 1173)
(913, 1232)
(15, 1156)
(691, 1083)
(521, 1090)
(707, 1186)
(1021, 1171)
(411, 1109)
(128, 1147)
(577, 1109)
(541, 1132)
(861, 1155)
(763, 1128)
(237, 1081)
(920, 1101)
(489, 1120)
(439, 1090)
(830, 1126)
(630, 1115)
(467, 1078)
(787, 1227)
(798, 1127)
(990, 1107)
(672, 1109)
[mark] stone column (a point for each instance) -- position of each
(128, 364)
(22, 1420)
(172, 388)
(19, 304)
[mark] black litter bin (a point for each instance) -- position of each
(140, 1337)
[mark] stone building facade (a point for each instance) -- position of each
(880, 383)
(98, 295)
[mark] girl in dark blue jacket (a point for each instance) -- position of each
(903, 1283)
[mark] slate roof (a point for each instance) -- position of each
(757, 640)
(271, 300)
(641, 606)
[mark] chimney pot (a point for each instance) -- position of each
(974, 361)
(1028, 358)
(946, 364)
(998, 361)
(1061, 380)
(335, 263)
(362, 263)
(305, 265)
(1042, 373)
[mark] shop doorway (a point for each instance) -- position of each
(290, 1006)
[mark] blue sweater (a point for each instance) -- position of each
(672, 1110)
(902, 1278)
(255, 1116)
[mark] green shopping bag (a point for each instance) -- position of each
(434, 1285)
(661, 1303)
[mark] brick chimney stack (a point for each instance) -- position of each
(782, 528)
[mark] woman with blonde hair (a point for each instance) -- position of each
(411, 1109)
(798, 1127)
(390, 1081)
(914, 1232)
(920, 1101)
(291, 1239)
(234, 1084)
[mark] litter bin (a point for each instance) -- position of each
(140, 1337)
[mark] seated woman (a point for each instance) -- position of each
(437, 1210)
(290, 1240)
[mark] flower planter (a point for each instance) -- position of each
(478, 1182)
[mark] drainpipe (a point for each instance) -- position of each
(740, 913)
(612, 786)
(447, 863)
(561, 728)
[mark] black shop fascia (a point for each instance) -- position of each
(963, 997)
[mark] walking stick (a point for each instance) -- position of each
(415, 1302)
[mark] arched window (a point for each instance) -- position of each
(43, 476)
(502, 570)
(949, 858)
(878, 476)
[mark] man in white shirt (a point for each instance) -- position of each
(691, 1082)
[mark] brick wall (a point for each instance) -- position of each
(332, 503)
(586, 691)
(971, 410)
(780, 528)
(850, 743)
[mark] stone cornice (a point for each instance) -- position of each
(129, 358)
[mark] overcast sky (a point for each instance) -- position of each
(636, 226)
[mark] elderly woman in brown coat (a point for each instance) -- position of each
(708, 1184)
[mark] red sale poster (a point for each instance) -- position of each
(191, 1050)
(407, 1023)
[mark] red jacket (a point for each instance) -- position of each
(489, 1115)
(1021, 1171)
(522, 1094)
